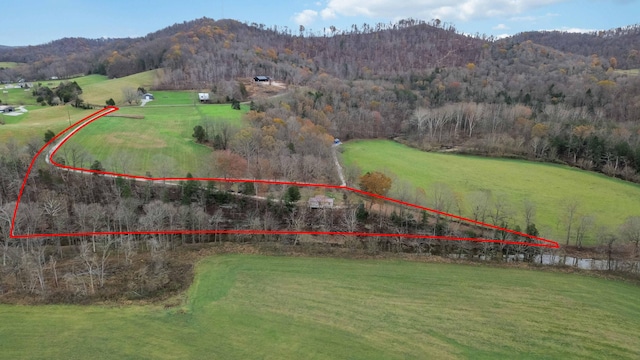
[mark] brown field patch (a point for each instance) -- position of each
(135, 141)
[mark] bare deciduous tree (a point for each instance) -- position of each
(630, 231)
(571, 209)
(130, 95)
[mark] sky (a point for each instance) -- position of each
(40, 21)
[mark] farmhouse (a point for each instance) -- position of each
(148, 96)
(6, 109)
(203, 97)
(320, 202)
(261, 78)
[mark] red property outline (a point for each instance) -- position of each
(541, 242)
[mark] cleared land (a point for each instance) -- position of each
(174, 98)
(96, 89)
(550, 187)
(8, 64)
(16, 96)
(294, 308)
(161, 143)
(33, 124)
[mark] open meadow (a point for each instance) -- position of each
(292, 308)
(8, 64)
(152, 139)
(97, 89)
(156, 138)
(33, 124)
(550, 187)
(14, 95)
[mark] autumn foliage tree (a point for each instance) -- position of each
(229, 164)
(376, 183)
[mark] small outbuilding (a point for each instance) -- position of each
(321, 202)
(261, 78)
(204, 97)
(148, 96)
(6, 109)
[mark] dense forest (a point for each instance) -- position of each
(621, 44)
(545, 96)
(411, 79)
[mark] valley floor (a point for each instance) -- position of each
(253, 306)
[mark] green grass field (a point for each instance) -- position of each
(243, 307)
(549, 186)
(17, 96)
(37, 121)
(185, 98)
(8, 64)
(161, 143)
(97, 89)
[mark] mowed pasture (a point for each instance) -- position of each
(31, 126)
(8, 64)
(242, 307)
(550, 187)
(184, 98)
(12, 94)
(97, 89)
(157, 140)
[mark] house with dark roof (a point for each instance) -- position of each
(261, 78)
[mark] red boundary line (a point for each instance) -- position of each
(545, 243)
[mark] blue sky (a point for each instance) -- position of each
(40, 21)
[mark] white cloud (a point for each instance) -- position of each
(306, 17)
(327, 14)
(500, 27)
(448, 10)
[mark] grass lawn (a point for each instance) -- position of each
(161, 143)
(186, 98)
(8, 64)
(97, 89)
(549, 186)
(37, 121)
(17, 96)
(304, 308)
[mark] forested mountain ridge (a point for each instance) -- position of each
(622, 44)
(407, 45)
(416, 80)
